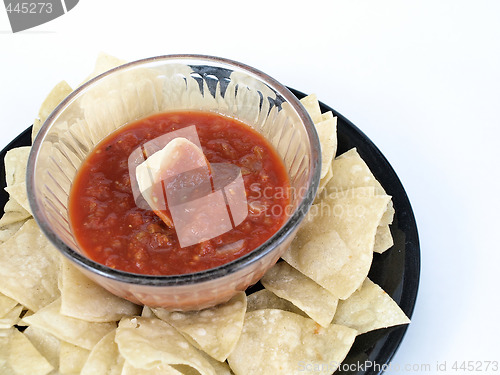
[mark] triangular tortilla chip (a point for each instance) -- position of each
(7, 231)
(16, 161)
(13, 213)
(265, 299)
(288, 283)
(82, 298)
(335, 246)
(19, 193)
(56, 96)
(350, 171)
(72, 358)
(277, 342)
(383, 239)
(74, 331)
(327, 133)
(29, 267)
(369, 308)
(45, 343)
(6, 304)
(104, 63)
(148, 342)
(19, 356)
(104, 358)
(214, 330)
(11, 317)
(323, 182)
(311, 104)
(160, 369)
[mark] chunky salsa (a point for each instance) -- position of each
(113, 230)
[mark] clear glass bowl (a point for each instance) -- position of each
(161, 84)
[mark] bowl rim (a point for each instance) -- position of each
(189, 278)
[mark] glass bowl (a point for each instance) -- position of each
(161, 84)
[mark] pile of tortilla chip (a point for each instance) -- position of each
(315, 301)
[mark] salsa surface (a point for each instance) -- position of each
(114, 231)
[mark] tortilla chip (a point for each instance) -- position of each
(388, 215)
(356, 219)
(311, 104)
(18, 207)
(351, 171)
(325, 258)
(369, 308)
(364, 191)
(11, 318)
(160, 369)
(29, 267)
(265, 299)
(104, 358)
(288, 283)
(135, 101)
(45, 343)
(278, 342)
(327, 133)
(335, 247)
(37, 125)
(13, 216)
(13, 206)
(19, 356)
(74, 331)
(329, 199)
(82, 298)
(214, 330)
(104, 63)
(56, 96)
(323, 182)
(326, 115)
(6, 305)
(147, 312)
(10, 230)
(383, 239)
(72, 358)
(221, 368)
(148, 342)
(16, 161)
(12, 220)
(326, 127)
(19, 193)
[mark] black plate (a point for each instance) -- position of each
(397, 270)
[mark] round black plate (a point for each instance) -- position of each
(397, 270)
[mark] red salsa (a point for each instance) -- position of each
(113, 230)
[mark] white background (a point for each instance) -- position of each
(420, 78)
